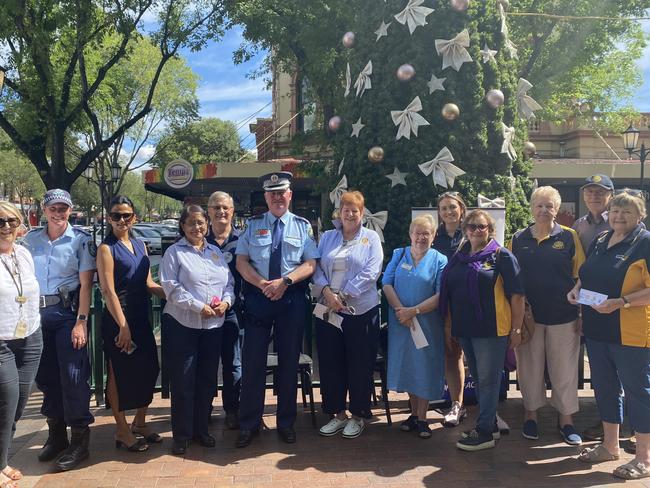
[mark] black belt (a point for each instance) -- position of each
(48, 300)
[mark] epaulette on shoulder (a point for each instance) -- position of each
(302, 219)
(78, 230)
(256, 217)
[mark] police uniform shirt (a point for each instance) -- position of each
(498, 279)
(59, 262)
(297, 243)
(228, 249)
(549, 268)
(616, 272)
(446, 244)
(588, 228)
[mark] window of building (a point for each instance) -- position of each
(307, 120)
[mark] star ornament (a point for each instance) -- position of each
(356, 128)
(443, 172)
(488, 54)
(382, 31)
(414, 15)
(436, 84)
(408, 120)
(396, 178)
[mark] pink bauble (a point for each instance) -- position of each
(348, 39)
(460, 5)
(334, 123)
(495, 98)
(406, 72)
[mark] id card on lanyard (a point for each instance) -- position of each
(21, 325)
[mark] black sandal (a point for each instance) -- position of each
(137, 446)
(151, 438)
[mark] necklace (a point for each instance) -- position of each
(15, 273)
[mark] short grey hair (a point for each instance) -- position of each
(548, 192)
(423, 220)
(220, 195)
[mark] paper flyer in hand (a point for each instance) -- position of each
(418, 335)
(327, 315)
(588, 297)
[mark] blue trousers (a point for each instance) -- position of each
(485, 358)
(286, 319)
(193, 365)
(614, 369)
(346, 362)
(19, 360)
(64, 371)
(231, 362)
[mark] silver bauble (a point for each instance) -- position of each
(495, 98)
(348, 39)
(450, 111)
(460, 5)
(406, 72)
(334, 123)
(529, 149)
(376, 154)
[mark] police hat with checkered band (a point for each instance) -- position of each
(279, 180)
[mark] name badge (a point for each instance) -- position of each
(227, 257)
(215, 257)
(364, 241)
(21, 329)
(261, 232)
(407, 266)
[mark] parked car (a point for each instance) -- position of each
(33, 229)
(150, 237)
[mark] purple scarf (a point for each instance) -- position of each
(472, 264)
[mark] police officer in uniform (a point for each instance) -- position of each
(276, 255)
(64, 259)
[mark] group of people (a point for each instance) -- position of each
(455, 296)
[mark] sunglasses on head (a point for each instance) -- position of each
(475, 227)
(117, 216)
(12, 221)
(631, 192)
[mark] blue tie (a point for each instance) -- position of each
(275, 263)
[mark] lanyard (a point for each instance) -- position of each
(18, 284)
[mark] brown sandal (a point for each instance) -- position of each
(598, 454)
(633, 470)
(12, 473)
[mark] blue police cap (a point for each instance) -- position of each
(57, 196)
(279, 180)
(599, 180)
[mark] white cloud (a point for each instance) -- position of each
(236, 91)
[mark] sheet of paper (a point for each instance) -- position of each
(418, 335)
(324, 313)
(588, 297)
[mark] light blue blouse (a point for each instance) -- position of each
(191, 278)
(363, 267)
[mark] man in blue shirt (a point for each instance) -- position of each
(64, 259)
(276, 255)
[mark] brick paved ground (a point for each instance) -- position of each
(382, 456)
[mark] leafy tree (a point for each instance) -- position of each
(203, 141)
(57, 56)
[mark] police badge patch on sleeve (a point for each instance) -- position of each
(92, 248)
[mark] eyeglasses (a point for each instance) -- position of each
(475, 227)
(117, 216)
(12, 221)
(54, 209)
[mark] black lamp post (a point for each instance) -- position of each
(630, 140)
(101, 182)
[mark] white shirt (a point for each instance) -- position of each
(11, 310)
(191, 278)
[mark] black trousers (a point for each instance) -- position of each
(231, 341)
(19, 360)
(286, 318)
(193, 364)
(346, 361)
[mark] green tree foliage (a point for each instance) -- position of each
(202, 141)
(58, 57)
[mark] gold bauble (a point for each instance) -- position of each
(450, 111)
(529, 149)
(376, 154)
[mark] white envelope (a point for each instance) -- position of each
(588, 297)
(418, 335)
(332, 317)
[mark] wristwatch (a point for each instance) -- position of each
(417, 311)
(287, 281)
(516, 331)
(626, 302)
(82, 317)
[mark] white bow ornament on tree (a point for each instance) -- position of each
(408, 119)
(443, 172)
(375, 221)
(485, 202)
(348, 80)
(363, 82)
(414, 15)
(508, 138)
(339, 189)
(526, 105)
(453, 51)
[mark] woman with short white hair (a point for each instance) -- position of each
(549, 255)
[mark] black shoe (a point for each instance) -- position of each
(57, 440)
(205, 440)
(179, 448)
(232, 420)
(138, 445)
(287, 434)
(246, 437)
(78, 450)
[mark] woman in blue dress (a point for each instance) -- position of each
(411, 284)
(129, 345)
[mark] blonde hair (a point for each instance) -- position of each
(11, 209)
(220, 195)
(626, 199)
(548, 192)
(475, 215)
(423, 220)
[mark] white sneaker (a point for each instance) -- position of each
(353, 428)
(333, 427)
(455, 415)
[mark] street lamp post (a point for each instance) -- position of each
(630, 140)
(116, 174)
